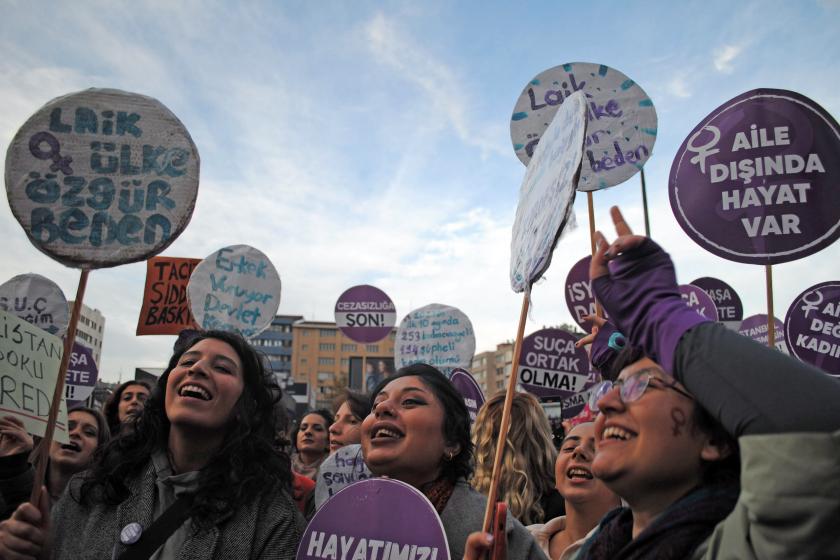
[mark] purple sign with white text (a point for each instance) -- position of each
(758, 180)
(376, 518)
(699, 301)
(812, 327)
(469, 389)
(579, 297)
(365, 314)
(551, 366)
(755, 327)
(82, 374)
(727, 302)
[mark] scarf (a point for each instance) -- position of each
(438, 492)
(674, 535)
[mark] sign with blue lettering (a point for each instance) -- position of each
(102, 177)
(436, 334)
(37, 300)
(339, 470)
(235, 289)
(621, 120)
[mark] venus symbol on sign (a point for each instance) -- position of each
(811, 305)
(59, 162)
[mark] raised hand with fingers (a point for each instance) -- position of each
(14, 438)
(25, 535)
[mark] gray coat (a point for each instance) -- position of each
(268, 528)
(464, 514)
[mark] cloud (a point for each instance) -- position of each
(678, 87)
(725, 56)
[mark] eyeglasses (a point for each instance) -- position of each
(632, 388)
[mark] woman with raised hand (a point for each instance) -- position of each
(125, 404)
(312, 443)
(418, 432)
(197, 478)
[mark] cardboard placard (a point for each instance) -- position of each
(436, 334)
(36, 300)
(550, 366)
(166, 309)
(727, 301)
(365, 314)
(102, 177)
(698, 300)
(469, 389)
(82, 374)
(339, 470)
(755, 327)
(812, 327)
(579, 296)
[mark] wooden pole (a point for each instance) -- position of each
(43, 452)
(599, 311)
(644, 202)
(505, 423)
(771, 323)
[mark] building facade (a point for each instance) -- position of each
(492, 369)
(275, 343)
(90, 330)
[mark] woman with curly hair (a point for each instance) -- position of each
(201, 457)
(526, 483)
(125, 404)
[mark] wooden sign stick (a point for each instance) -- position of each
(505, 423)
(599, 311)
(43, 453)
(771, 322)
(644, 202)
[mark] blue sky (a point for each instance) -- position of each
(368, 142)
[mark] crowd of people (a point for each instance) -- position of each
(704, 445)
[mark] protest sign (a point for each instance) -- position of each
(438, 335)
(82, 374)
(579, 297)
(547, 194)
(812, 327)
(621, 127)
(469, 389)
(339, 470)
(758, 180)
(29, 362)
(550, 366)
(235, 289)
(102, 177)
(379, 518)
(166, 309)
(755, 327)
(698, 300)
(36, 300)
(365, 314)
(726, 299)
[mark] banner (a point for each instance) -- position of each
(550, 366)
(166, 309)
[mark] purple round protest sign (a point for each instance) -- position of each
(579, 297)
(551, 366)
(365, 314)
(375, 518)
(698, 300)
(727, 302)
(469, 389)
(755, 327)
(82, 374)
(812, 327)
(758, 180)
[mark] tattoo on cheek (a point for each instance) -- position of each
(678, 417)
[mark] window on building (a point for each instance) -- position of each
(327, 332)
(325, 376)
(373, 348)
(325, 347)
(326, 361)
(348, 347)
(304, 347)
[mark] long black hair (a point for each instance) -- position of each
(245, 465)
(456, 417)
(112, 406)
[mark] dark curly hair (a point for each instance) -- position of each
(112, 406)
(245, 465)
(456, 417)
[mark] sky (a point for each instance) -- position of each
(369, 142)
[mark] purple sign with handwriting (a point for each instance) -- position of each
(755, 327)
(469, 389)
(699, 301)
(758, 180)
(812, 327)
(551, 366)
(376, 518)
(727, 302)
(579, 297)
(365, 314)
(621, 120)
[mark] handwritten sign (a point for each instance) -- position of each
(726, 299)
(377, 518)
(166, 309)
(469, 389)
(698, 300)
(755, 327)
(550, 366)
(339, 470)
(235, 289)
(102, 177)
(812, 327)
(29, 362)
(438, 335)
(365, 314)
(621, 119)
(36, 300)
(579, 297)
(82, 374)
(547, 194)
(758, 180)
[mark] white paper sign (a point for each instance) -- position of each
(547, 194)
(438, 335)
(342, 468)
(36, 300)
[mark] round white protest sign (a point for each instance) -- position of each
(438, 335)
(235, 289)
(547, 194)
(621, 119)
(37, 300)
(339, 470)
(102, 177)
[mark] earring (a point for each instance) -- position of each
(449, 455)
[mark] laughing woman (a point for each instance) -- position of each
(201, 455)
(418, 432)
